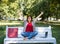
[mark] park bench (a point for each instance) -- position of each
(13, 35)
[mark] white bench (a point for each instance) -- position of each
(44, 36)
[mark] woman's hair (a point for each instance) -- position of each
(28, 17)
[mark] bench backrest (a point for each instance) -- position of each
(17, 31)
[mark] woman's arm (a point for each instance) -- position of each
(38, 17)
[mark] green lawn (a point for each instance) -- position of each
(55, 30)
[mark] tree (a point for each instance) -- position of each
(9, 8)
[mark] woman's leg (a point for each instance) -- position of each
(25, 34)
(32, 34)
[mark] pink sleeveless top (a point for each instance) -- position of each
(29, 27)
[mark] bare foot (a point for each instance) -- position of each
(25, 38)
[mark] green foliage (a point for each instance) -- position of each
(51, 8)
(10, 8)
(55, 8)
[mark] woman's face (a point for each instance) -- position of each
(29, 19)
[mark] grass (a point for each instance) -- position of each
(55, 29)
(2, 34)
(56, 33)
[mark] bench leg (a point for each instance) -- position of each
(55, 42)
(5, 42)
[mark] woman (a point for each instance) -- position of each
(29, 28)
